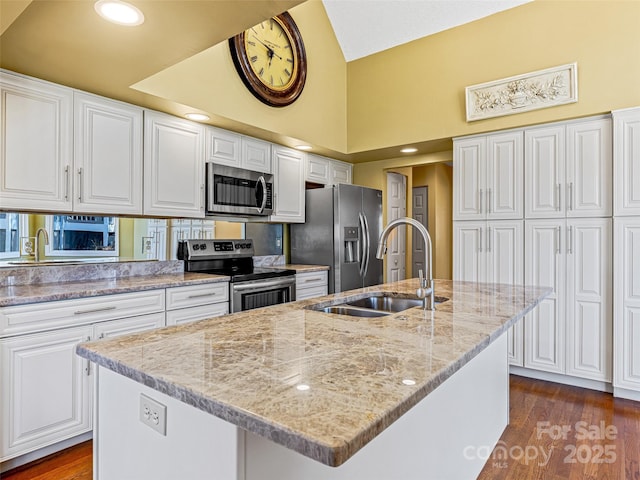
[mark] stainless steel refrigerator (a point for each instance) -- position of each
(341, 229)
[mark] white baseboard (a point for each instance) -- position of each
(560, 378)
(626, 393)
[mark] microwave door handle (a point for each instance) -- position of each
(264, 194)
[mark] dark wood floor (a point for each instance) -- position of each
(604, 446)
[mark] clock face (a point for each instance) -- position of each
(271, 54)
(271, 60)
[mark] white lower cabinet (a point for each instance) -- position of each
(626, 379)
(570, 331)
(492, 252)
(311, 285)
(45, 388)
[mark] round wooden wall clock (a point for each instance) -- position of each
(271, 60)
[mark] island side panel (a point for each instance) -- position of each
(448, 435)
(196, 445)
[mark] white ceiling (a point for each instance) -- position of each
(364, 27)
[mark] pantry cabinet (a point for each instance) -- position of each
(174, 166)
(36, 136)
(289, 197)
(626, 380)
(569, 170)
(626, 151)
(570, 331)
(488, 177)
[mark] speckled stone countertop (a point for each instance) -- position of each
(47, 292)
(245, 368)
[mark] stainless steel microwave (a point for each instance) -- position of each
(237, 191)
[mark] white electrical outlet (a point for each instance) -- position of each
(153, 414)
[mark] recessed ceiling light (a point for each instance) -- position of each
(304, 147)
(119, 12)
(409, 150)
(303, 387)
(198, 117)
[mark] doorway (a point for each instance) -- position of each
(419, 212)
(396, 207)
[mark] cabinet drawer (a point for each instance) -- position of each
(311, 292)
(51, 315)
(311, 279)
(194, 295)
(186, 315)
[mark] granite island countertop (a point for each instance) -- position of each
(356, 375)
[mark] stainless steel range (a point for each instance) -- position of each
(249, 287)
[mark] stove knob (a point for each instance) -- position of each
(238, 246)
(203, 246)
(196, 247)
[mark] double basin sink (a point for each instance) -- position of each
(376, 305)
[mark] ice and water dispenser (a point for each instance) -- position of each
(351, 244)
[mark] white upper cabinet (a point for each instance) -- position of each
(174, 166)
(569, 170)
(36, 137)
(626, 154)
(107, 156)
(289, 199)
(326, 171)
(234, 150)
(488, 177)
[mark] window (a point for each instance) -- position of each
(82, 235)
(12, 226)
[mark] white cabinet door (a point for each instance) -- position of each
(544, 161)
(318, 169)
(626, 165)
(589, 169)
(627, 303)
(545, 267)
(173, 166)
(504, 181)
(469, 245)
(340, 172)
(469, 160)
(589, 307)
(107, 156)
(288, 166)
(46, 394)
(126, 326)
(36, 135)
(223, 147)
(256, 155)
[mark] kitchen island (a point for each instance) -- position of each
(413, 395)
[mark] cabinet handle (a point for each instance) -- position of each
(309, 280)
(80, 183)
(489, 239)
(199, 295)
(570, 241)
(489, 201)
(66, 182)
(481, 197)
(570, 200)
(87, 369)
(557, 240)
(558, 201)
(480, 241)
(101, 336)
(201, 196)
(94, 310)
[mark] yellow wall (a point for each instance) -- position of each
(209, 81)
(415, 92)
(439, 178)
(228, 230)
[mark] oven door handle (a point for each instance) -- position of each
(261, 285)
(264, 194)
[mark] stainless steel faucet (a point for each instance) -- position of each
(426, 284)
(46, 241)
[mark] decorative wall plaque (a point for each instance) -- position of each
(530, 91)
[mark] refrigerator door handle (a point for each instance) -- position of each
(367, 245)
(363, 243)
